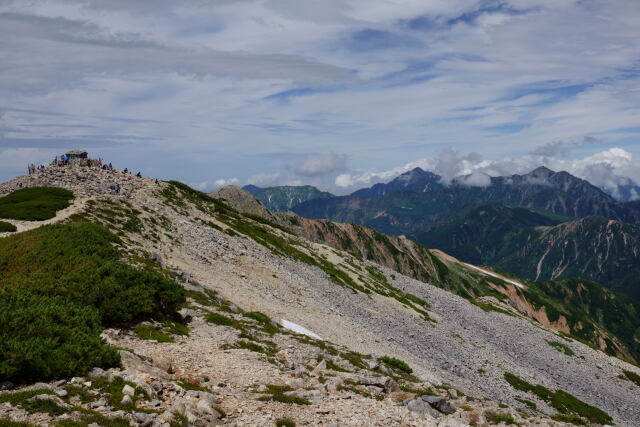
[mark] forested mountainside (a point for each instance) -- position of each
(285, 197)
(533, 245)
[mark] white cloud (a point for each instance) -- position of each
(319, 164)
(207, 186)
(606, 169)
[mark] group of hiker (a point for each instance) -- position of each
(64, 160)
(33, 168)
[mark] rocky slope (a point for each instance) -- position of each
(285, 197)
(415, 200)
(235, 265)
(542, 302)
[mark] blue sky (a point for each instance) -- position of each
(338, 93)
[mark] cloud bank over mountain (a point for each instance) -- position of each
(607, 169)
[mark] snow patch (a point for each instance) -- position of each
(482, 270)
(299, 329)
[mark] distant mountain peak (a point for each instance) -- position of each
(541, 172)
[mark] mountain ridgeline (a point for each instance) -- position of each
(417, 200)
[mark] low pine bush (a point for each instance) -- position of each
(35, 203)
(45, 337)
(6, 227)
(61, 284)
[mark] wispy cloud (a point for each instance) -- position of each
(211, 89)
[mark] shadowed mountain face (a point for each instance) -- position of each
(417, 200)
(285, 197)
(480, 233)
(537, 246)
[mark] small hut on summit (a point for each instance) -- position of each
(77, 154)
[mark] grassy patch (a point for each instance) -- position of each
(34, 204)
(221, 319)
(90, 417)
(23, 400)
(573, 419)
(269, 350)
(113, 392)
(9, 423)
(61, 284)
(418, 391)
(490, 307)
(528, 403)
(257, 316)
(5, 227)
(561, 347)
(352, 386)
(331, 365)
(277, 394)
(285, 422)
(148, 332)
(176, 328)
(190, 385)
(631, 376)
(497, 417)
(392, 362)
(562, 401)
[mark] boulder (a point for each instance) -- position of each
(423, 408)
(439, 403)
(319, 369)
(6, 385)
(128, 390)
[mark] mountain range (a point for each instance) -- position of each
(417, 200)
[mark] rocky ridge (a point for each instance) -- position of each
(211, 249)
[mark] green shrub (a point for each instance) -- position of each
(631, 376)
(34, 204)
(418, 391)
(46, 337)
(189, 385)
(285, 422)
(60, 284)
(562, 401)
(573, 419)
(5, 227)
(392, 362)
(9, 423)
(148, 332)
(257, 316)
(177, 328)
(221, 319)
(78, 261)
(496, 417)
(276, 393)
(112, 389)
(561, 347)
